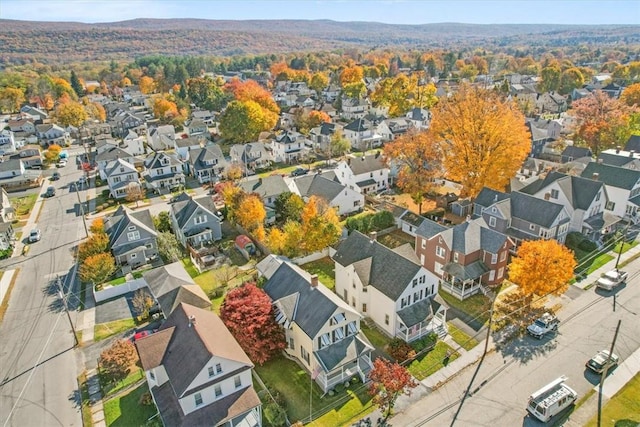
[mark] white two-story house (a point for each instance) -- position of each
(623, 188)
(163, 172)
(289, 147)
(197, 372)
(120, 176)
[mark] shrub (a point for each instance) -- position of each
(145, 399)
(400, 350)
(275, 414)
(424, 342)
(587, 245)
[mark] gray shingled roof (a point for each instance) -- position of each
(576, 152)
(612, 175)
(367, 164)
(358, 125)
(117, 223)
(172, 285)
(488, 197)
(314, 306)
(536, 211)
(343, 351)
(269, 186)
(466, 272)
(472, 236)
(614, 159)
(416, 313)
(318, 185)
(184, 209)
(578, 190)
(388, 271)
(429, 229)
(633, 144)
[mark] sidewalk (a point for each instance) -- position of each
(591, 278)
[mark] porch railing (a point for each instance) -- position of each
(460, 292)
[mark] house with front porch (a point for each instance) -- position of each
(195, 127)
(207, 163)
(389, 286)
(197, 372)
(290, 147)
(161, 138)
(50, 134)
(623, 189)
(163, 172)
(121, 176)
(362, 135)
(419, 117)
(132, 237)
(251, 156)
(465, 257)
(107, 154)
(183, 146)
(30, 155)
(370, 173)
(354, 108)
(124, 120)
(195, 221)
(322, 332)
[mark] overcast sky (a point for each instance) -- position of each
(387, 11)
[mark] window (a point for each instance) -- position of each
(440, 252)
(324, 340)
(532, 226)
(237, 381)
(131, 228)
(433, 289)
(503, 256)
(338, 334)
(152, 375)
(416, 297)
(455, 257)
(610, 206)
(386, 319)
(492, 221)
(403, 302)
(116, 179)
(422, 279)
(291, 344)
(415, 283)
(133, 255)
(364, 308)
(218, 368)
(492, 275)
(304, 354)
(211, 371)
(198, 399)
(500, 272)
(133, 235)
(423, 244)
(353, 301)
(352, 329)
(217, 390)
(598, 196)
(494, 258)
(340, 317)
(345, 296)
(200, 219)
(554, 194)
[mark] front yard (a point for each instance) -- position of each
(24, 204)
(476, 307)
(431, 362)
(293, 384)
(105, 330)
(623, 410)
(127, 410)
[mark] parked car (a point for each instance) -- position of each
(55, 176)
(141, 334)
(601, 360)
(34, 235)
(82, 181)
(543, 325)
(51, 191)
(611, 279)
(299, 172)
(61, 163)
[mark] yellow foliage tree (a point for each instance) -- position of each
(482, 137)
(11, 99)
(97, 268)
(251, 215)
(631, 95)
(52, 153)
(542, 267)
(71, 113)
(350, 75)
(164, 109)
(320, 225)
(147, 84)
(97, 226)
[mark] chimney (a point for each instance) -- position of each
(314, 280)
(618, 149)
(192, 320)
(373, 235)
(599, 161)
(595, 176)
(547, 196)
(260, 180)
(631, 153)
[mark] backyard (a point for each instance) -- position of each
(24, 204)
(293, 383)
(396, 238)
(325, 269)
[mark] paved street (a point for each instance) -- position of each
(38, 364)
(508, 376)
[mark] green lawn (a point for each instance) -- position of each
(133, 377)
(432, 361)
(377, 338)
(188, 265)
(106, 330)
(461, 338)
(624, 406)
(23, 204)
(293, 383)
(126, 410)
(475, 306)
(325, 269)
(396, 238)
(599, 262)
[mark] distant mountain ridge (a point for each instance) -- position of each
(22, 41)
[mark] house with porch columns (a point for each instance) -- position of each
(389, 286)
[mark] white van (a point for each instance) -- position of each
(551, 399)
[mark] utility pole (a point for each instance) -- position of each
(624, 237)
(66, 308)
(604, 374)
(84, 220)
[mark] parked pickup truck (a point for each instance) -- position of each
(611, 279)
(543, 325)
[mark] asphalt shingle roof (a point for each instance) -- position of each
(534, 210)
(612, 175)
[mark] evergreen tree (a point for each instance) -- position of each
(76, 85)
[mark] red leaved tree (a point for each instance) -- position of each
(248, 314)
(389, 381)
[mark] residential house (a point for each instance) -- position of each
(331, 93)
(571, 153)
(195, 221)
(163, 172)
(623, 188)
(110, 154)
(340, 197)
(161, 138)
(89, 131)
(613, 90)
(322, 332)
(621, 158)
(553, 128)
(354, 108)
(409, 222)
(551, 102)
(195, 127)
(394, 128)
(11, 168)
(171, 286)
(321, 136)
(183, 146)
(362, 135)
(30, 155)
(585, 200)
(7, 212)
(579, 93)
(633, 144)
(521, 216)
(50, 134)
(525, 95)
(7, 235)
(197, 372)
(369, 173)
(251, 156)
(389, 286)
(36, 114)
(132, 237)
(207, 163)
(133, 143)
(8, 143)
(206, 116)
(124, 121)
(26, 126)
(419, 117)
(465, 257)
(539, 139)
(268, 188)
(289, 147)
(121, 176)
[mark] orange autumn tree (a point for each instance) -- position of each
(97, 268)
(251, 215)
(350, 75)
(320, 225)
(631, 95)
(603, 121)
(388, 382)
(542, 267)
(418, 159)
(482, 138)
(147, 85)
(71, 113)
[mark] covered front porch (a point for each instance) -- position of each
(421, 319)
(340, 362)
(463, 281)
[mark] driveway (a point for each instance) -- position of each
(116, 309)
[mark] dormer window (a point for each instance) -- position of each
(338, 318)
